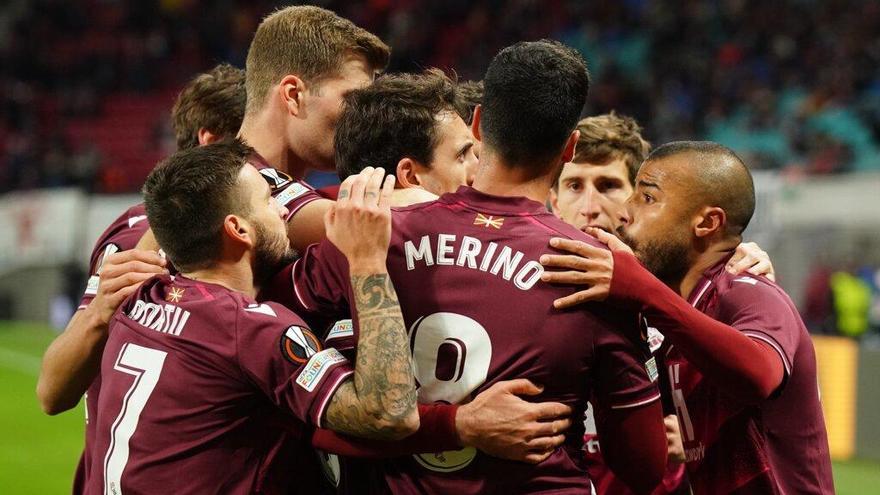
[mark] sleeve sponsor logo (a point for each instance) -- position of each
(108, 250)
(92, 286)
(317, 366)
(276, 178)
(292, 192)
(342, 328)
(655, 339)
(299, 345)
(651, 368)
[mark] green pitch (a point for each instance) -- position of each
(38, 453)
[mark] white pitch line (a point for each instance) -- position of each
(19, 361)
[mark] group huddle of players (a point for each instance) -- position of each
(432, 326)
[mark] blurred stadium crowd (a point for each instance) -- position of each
(791, 85)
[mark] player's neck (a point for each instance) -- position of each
(704, 261)
(498, 179)
(401, 197)
(233, 276)
(264, 134)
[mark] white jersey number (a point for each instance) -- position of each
(145, 365)
(681, 409)
(451, 357)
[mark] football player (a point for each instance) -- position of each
(741, 365)
(468, 274)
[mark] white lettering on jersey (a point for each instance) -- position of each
(746, 280)
(317, 367)
(508, 264)
(292, 192)
(342, 328)
(422, 253)
(163, 318)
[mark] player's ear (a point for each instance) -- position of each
(709, 221)
(291, 90)
(207, 137)
(407, 173)
(239, 231)
(568, 150)
(475, 123)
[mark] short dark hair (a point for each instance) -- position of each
(534, 93)
(468, 95)
(720, 178)
(610, 136)
(188, 195)
(214, 100)
(393, 118)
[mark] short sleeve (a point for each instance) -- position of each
(281, 356)
(123, 235)
(626, 372)
(316, 286)
(294, 196)
(761, 312)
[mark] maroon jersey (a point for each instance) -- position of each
(197, 381)
(467, 274)
(123, 234)
(291, 194)
(604, 480)
(777, 446)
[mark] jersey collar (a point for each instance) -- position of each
(470, 197)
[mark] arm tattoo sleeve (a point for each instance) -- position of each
(382, 394)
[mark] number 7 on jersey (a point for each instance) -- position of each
(145, 365)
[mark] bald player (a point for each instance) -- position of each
(741, 365)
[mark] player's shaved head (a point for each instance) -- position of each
(715, 176)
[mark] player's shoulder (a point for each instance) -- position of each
(134, 218)
(558, 228)
(727, 283)
(122, 234)
(251, 313)
(744, 289)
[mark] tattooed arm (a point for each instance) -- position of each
(380, 402)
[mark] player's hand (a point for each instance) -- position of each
(674, 446)
(749, 257)
(359, 223)
(120, 275)
(499, 423)
(586, 265)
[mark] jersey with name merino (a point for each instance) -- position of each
(777, 446)
(466, 271)
(203, 391)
